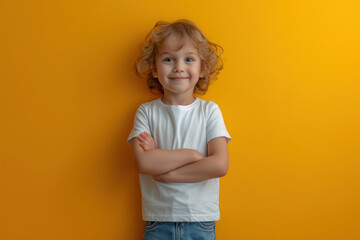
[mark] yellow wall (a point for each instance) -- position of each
(289, 93)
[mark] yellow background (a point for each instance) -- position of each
(289, 94)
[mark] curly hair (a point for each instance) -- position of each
(209, 53)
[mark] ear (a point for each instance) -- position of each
(154, 73)
(202, 73)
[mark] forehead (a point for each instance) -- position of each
(175, 43)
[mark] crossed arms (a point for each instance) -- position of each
(182, 165)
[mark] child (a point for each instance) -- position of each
(179, 141)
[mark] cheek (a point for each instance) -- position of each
(197, 71)
(161, 70)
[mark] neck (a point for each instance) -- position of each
(177, 100)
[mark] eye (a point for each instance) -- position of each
(168, 59)
(189, 59)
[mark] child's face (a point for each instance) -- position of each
(178, 70)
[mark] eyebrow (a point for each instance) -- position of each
(188, 53)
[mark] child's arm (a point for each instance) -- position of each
(213, 166)
(152, 161)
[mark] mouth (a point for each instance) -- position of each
(178, 78)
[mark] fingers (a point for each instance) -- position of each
(145, 145)
(144, 137)
(146, 141)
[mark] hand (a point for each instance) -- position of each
(158, 178)
(146, 141)
(163, 177)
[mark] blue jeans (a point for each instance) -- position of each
(179, 230)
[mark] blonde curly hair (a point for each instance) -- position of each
(209, 52)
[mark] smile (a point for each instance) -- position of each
(178, 78)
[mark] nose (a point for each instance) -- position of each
(178, 67)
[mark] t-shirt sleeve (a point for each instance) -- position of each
(141, 124)
(215, 124)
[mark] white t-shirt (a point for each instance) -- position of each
(176, 127)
